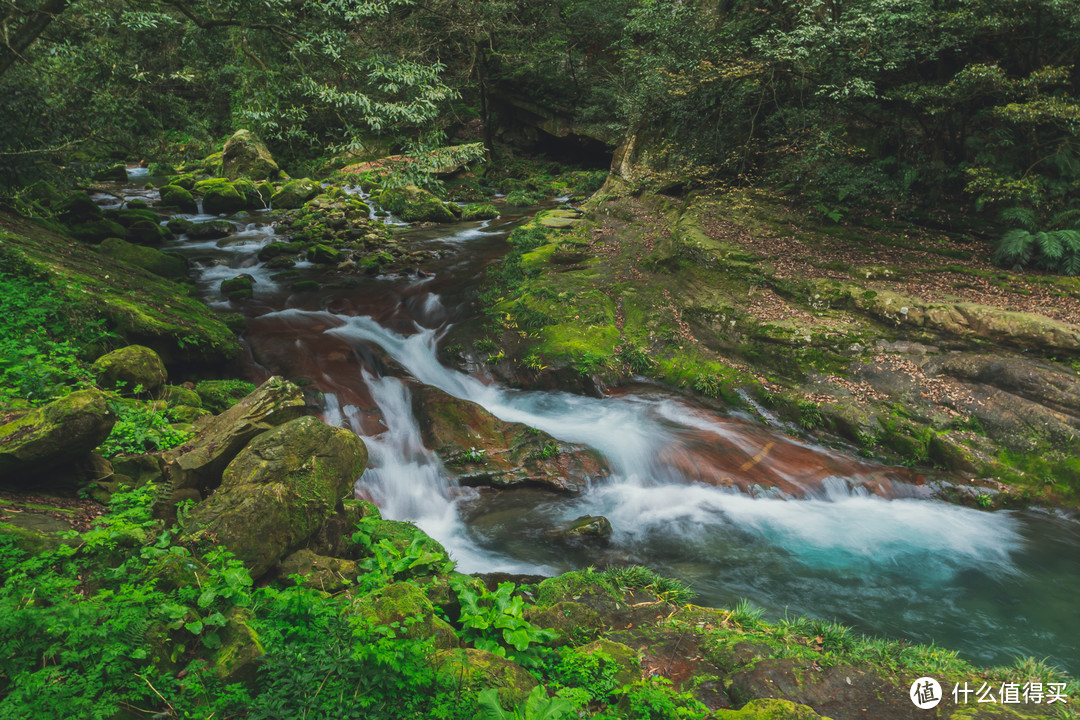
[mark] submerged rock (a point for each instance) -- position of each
(480, 449)
(245, 155)
(130, 367)
(279, 490)
(587, 528)
(51, 436)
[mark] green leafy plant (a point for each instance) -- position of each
(140, 428)
(538, 706)
(639, 577)
(494, 621)
(1055, 250)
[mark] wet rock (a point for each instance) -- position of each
(219, 196)
(244, 155)
(238, 288)
(323, 255)
(295, 193)
(480, 449)
(473, 670)
(210, 230)
(52, 436)
(405, 603)
(412, 204)
(178, 197)
(1052, 388)
(839, 692)
(476, 211)
(130, 367)
(155, 261)
(199, 464)
(585, 529)
(279, 490)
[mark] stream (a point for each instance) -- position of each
(735, 508)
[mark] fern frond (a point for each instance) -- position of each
(1014, 249)
(1069, 219)
(1050, 247)
(1022, 216)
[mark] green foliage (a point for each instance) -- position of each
(594, 672)
(140, 428)
(1053, 250)
(220, 395)
(538, 706)
(494, 621)
(639, 577)
(43, 342)
(654, 699)
(809, 415)
(636, 357)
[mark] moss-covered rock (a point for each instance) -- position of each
(219, 395)
(157, 262)
(220, 197)
(587, 528)
(473, 670)
(413, 204)
(306, 286)
(279, 490)
(295, 193)
(96, 230)
(53, 435)
(625, 659)
(477, 211)
(574, 622)
(405, 603)
(77, 207)
(185, 181)
(130, 367)
(244, 155)
(523, 198)
(324, 254)
(241, 652)
(210, 230)
(329, 574)
(770, 709)
(180, 396)
(200, 463)
(581, 586)
(113, 173)
(175, 570)
(238, 288)
(178, 197)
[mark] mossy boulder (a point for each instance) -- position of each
(209, 165)
(474, 670)
(157, 262)
(624, 659)
(306, 286)
(220, 197)
(241, 652)
(295, 193)
(413, 204)
(145, 232)
(401, 535)
(130, 367)
(173, 571)
(329, 574)
(200, 463)
(324, 255)
(244, 155)
(279, 490)
(475, 211)
(180, 396)
(77, 207)
(238, 288)
(559, 219)
(770, 709)
(113, 173)
(219, 395)
(574, 622)
(523, 198)
(96, 230)
(185, 181)
(405, 603)
(580, 586)
(53, 435)
(211, 230)
(178, 197)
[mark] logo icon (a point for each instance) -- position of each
(925, 693)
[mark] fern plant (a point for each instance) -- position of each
(1054, 250)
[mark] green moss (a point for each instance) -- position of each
(219, 395)
(155, 261)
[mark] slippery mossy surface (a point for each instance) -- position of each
(739, 298)
(142, 307)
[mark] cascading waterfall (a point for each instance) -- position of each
(811, 531)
